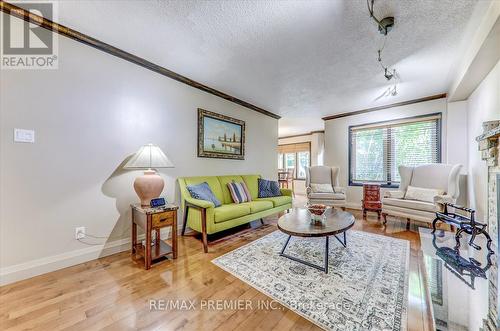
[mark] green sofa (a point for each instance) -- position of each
(202, 216)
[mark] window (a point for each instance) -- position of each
(377, 150)
(290, 161)
(296, 157)
(302, 163)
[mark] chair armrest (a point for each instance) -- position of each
(442, 199)
(338, 189)
(199, 203)
(308, 190)
(394, 194)
(286, 191)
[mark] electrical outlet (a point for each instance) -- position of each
(80, 232)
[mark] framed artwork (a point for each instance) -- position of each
(220, 136)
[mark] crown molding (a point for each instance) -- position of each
(302, 134)
(397, 104)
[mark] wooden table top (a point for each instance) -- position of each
(298, 223)
(149, 210)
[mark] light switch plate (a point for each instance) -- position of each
(24, 136)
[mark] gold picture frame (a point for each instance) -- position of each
(220, 136)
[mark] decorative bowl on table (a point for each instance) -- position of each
(317, 212)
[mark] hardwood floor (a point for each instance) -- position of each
(113, 293)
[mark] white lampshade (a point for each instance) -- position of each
(149, 157)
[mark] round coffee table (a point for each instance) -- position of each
(298, 223)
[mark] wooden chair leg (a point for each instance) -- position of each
(407, 224)
(184, 221)
(174, 236)
(204, 230)
(384, 216)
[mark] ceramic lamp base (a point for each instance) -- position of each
(148, 186)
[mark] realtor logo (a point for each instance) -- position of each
(26, 45)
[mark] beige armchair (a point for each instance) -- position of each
(325, 175)
(443, 177)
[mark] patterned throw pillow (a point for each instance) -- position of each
(421, 194)
(268, 188)
(239, 192)
(203, 192)
(322, 188)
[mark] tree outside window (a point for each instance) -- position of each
(377, 150)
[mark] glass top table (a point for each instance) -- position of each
(456, 281)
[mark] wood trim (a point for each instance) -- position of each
(302, 134)
(397, 104)
(21, 13)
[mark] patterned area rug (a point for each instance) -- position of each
(366, 287)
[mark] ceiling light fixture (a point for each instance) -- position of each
(385, 25)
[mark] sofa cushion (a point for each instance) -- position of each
(239, 192)
(212, 181)
(230, 211)
(278, 201)
(422, 194)
(203, 192)
(322, 188)
(252, 185)
(411, 204)
(259, 205)
(414, 214)
(268, 188)
(224, 180)
(327, 196)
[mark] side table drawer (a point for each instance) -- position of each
(162, 219)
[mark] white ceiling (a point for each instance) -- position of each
(299, 59)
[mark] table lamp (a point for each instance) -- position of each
(150, 185)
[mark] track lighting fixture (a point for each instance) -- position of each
(385, 25)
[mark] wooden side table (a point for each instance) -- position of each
(154, 219)
(371, 199)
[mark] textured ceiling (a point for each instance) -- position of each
(299, 59)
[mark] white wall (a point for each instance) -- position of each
(89, 116)
(337, 138)
(317, 140)
(457, 151)
(482, 105)
(457, 139)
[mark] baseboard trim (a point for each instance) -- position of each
(44, 265)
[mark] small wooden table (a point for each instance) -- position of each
(150, 219)
(371, 199)
(298, 223)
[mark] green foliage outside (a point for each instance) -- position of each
(412, 144)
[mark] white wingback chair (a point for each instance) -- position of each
(325, 175)
(443, 177)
